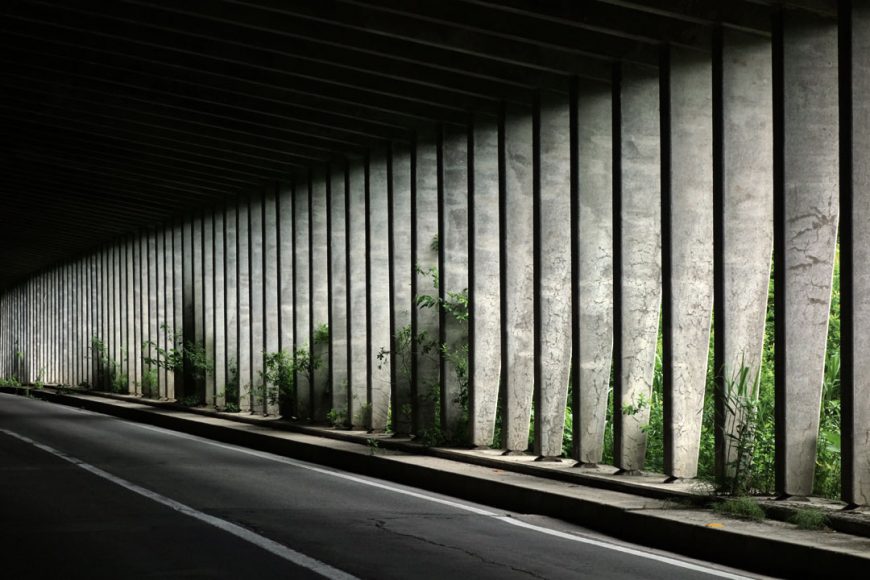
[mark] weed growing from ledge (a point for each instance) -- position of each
(740, 507)
(809, 519)
(109, 369)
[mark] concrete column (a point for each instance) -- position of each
(453, 277)
(286, 258)
(144, 311)
(338, 313)
(133, 345)
(379, 301)
(271, 296)
(154, 319)
(594, 276)
(197, 383)
(232, 305)
(258, 342)
(401, 361)
(117, 313)
(855, 255)
(358, 410)
(639, 260)
(188, 303)
(136, 361)
(160, 292)
(321, 402)
(809, 210)
(168, 293)
(178, 301)
(519, 292)
(689, 265)
(220, 329)
(425, 258)
(210, 320)
(244, 279)
(302, 292)
(746, 227)
(485, 282)
(554, 271)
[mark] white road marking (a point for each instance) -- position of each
(272, 546)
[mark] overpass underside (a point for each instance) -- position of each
(445, 213)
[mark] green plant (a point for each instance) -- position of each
(364, 414)
(740, 507)
(38, 383)
(149, 382)
(321, 334)
(373, 444)
(109, 370)
(337, 418)
(9, 382)
(809, 519)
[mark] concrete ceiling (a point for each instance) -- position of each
(116, 114)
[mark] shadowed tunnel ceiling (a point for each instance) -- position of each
(117, 114)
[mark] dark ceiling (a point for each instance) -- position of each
(116, 114)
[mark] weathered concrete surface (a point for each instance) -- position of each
(169, 297)
(358, 409)
(401, 363)
(453, 277)
(691, 254)
(285, 271)
(321, 402)
(338, 314)
(244, 279)
(154, 314)
(208, 272)
(187, 294)
(379, 300)
(197, 301)
(231, 296)
(302, 292)
(485, 293)
(271, 319)
(177, 301)
(519, 278)
(811, 213)
(136, 366)
(594, 300)
(858, 486)
(747, 218)
(258, 339)
(641, 274)
(426, 326)
(554, 283)
(220, 305)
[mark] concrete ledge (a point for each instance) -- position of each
(767, 547)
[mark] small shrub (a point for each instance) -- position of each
(740, 507)
(808, 519)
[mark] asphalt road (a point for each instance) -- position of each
(84, 495)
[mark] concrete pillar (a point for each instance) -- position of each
(453, 277)
(808, 211)
(177, 301)
(198, 277)
(209, 314)
(244, 315)
(321, 402)
(401, 359)
(379, 301)
(554, 271)
(188, 307)
(258, 342)
(593, 333)
(746, 238)
(160, 292)
(519, 292)
(232, 305)
(855, 256)
(338, 313)
(271, 297)
(168, 293)
(485, 282)
(133, 345)
(358, 411)
(302, 292)
(117, 313)
(144, 316)
(286, 258)
(154, 318)
(425, 258)
(688, 268)
(638, 259)
(220, 329)
(136, 374)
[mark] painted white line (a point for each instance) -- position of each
(272, 546)
(506, 519)
(623, 549)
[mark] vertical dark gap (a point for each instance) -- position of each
(574, 401)
(442, 366)
(719, 320)
(617, 264)
(368, 283)
(471, 424)
(415, 401)
(502, 259)
(394, 391)
(780, 358)
(667, 285)
(847, 295)
(536, 244)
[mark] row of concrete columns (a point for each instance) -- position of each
(575, 227)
